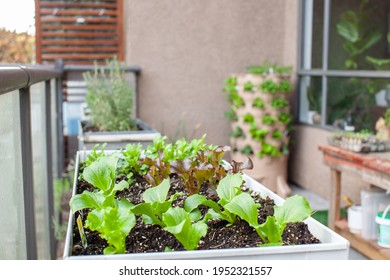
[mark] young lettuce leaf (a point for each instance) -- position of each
(294, 209)
(178, 222)
(113, 224)
(101, 174)
(155, 203)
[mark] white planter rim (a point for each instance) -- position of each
(332, 245)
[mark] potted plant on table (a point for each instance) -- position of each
(110, 110)
(260, 122)
(182, 201)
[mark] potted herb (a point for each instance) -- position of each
(382, 128)
(182, 201)
(260, 120)
(110, 110)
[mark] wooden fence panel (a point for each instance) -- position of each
(79, 32)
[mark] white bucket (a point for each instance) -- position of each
(383, 220)
(355, 214)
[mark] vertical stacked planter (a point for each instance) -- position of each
(260, 122)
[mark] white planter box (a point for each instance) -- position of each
(116, 139)
(332, 246)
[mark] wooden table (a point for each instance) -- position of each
(373, 168)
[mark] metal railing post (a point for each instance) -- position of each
(27, 172)
(59, 65)
(49, 167)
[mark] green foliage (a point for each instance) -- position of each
(285, 118)
(236, 203)
(155, 203)
(95, 154)
(236, 100)
(258, 133)
(279, 103)
(267, 68)
(132, 161)
(258, 103)
(269, 86)
(248, 86)
(361, 36)
(268, 149)
(248, 118)
(285, 86)
(109, 98)
(269, 120)
(277, 134)
(179, 223)
(294, 209)
(113, 224)
(247, 150)
(101, 174)
(358, 33)
(231, 115)
(238, 133)
(387, 116)
(274, 121)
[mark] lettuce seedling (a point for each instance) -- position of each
(132, 156)
(294, 209)
(179, 223)
(113, 224)
(102, 175)
(155, 203)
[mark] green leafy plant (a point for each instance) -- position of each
(109, 98)
(102, 175)
(247, 150)
(113, 224)
(279, 103)
(258, 133)
(238, 133)
(258, 103)
(269, 68)
(387, 116)
(269, 124)
(179, 223)
(236, 203)
(269, 86)
(294, 209)
(267, 119)
(155, 204)
(248, 118)
(110, 217)
(248, 86)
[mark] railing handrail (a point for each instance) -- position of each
(133, 68)
(14, 77)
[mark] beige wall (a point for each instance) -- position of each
(306, 167)
(187, 48)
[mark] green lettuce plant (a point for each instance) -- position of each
(112, 218)
(155, 203)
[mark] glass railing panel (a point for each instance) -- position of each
(38, 131)
(12, 218)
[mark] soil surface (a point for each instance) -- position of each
(152, 238)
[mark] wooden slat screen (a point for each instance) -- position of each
(79, 32)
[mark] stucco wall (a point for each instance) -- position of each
(187, 48)
(306, 167)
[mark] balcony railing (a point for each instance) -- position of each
(30, 130)
(32, 156)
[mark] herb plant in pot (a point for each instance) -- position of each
(110, 110)
(183, 201)
(260, 122)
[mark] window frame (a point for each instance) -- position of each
(324, 73)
